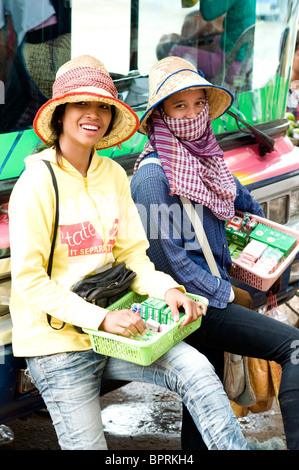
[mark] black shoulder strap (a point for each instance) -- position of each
(49, 270)
(56, 217)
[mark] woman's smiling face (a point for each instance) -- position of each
(85, 122)
(186, 104)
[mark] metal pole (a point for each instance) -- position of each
(134, 35)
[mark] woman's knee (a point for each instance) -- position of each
(187, 361)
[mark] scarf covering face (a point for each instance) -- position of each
(192, 160)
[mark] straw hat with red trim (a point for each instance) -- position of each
(86, 79)
(173, 74)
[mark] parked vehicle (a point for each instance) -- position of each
(129, 36)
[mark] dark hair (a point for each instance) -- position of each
(56, 126)
(113, 113)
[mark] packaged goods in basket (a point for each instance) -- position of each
(274, 238)
(260, 249)
(162, 331)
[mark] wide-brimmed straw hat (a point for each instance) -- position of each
(43, 59)
(86, 79)
(173, 74)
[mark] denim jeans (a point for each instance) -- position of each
(70, 382)
(248, 333)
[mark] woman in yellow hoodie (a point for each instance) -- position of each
(98, 227)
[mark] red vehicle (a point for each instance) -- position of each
(129, 37)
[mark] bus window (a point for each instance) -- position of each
(248, 50)
(217, 37)
(239, 48)
(102, 29)
(34, 42)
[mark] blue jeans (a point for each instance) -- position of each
(245, 332)
(70, 382)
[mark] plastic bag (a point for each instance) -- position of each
(6, 434)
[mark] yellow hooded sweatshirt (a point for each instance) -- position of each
(98, 226)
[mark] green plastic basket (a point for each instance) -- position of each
(140, 352)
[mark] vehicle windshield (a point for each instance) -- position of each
(248, 50)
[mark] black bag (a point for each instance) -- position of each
(102, 289)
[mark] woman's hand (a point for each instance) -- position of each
(193, 310)
(128, 323)
(123, 322)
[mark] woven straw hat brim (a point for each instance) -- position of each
(125, 122)
(220, 100)
(172, 75)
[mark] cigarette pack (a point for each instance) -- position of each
(269, 261)
(274, 238)
(154, 309)
(234, 236)
(144, 308)
(235, 250)
(255, 248)
(235, 222)
(153, 325)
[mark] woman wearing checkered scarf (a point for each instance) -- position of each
(182, 159)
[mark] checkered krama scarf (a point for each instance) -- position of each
(192, 160)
